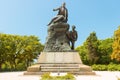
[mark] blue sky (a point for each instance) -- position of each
(30, 17)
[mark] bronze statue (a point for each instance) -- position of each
(72, 36)
(59, 38)
(62, 14)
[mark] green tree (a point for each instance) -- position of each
(83, 53)
(105, 51)
(31, 50)
(18, 50)
(92, 47)
(116, 45)
(11, 51)
(3, 47)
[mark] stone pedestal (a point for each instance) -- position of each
(69, 62)
(57, 40)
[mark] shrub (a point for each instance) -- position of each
(99, 67)
(110, 67)
(46, 76)
(69, 76)
(118, 67)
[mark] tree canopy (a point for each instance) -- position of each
(18, 50)
(116, 45)
(92, 47)
(95, 51)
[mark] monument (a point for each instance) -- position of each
(59, 54)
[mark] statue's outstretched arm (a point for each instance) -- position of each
(56, 9)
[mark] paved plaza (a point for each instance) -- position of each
(100, 75)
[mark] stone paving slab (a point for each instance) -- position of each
(100, 75)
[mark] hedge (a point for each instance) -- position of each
(109, 67)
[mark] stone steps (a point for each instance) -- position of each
(81, 70)
(60, 69)
(59, 65)
(75, 73)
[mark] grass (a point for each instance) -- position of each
(118, 78)
(47, 76)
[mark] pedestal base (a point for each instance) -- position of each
(68, 62)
